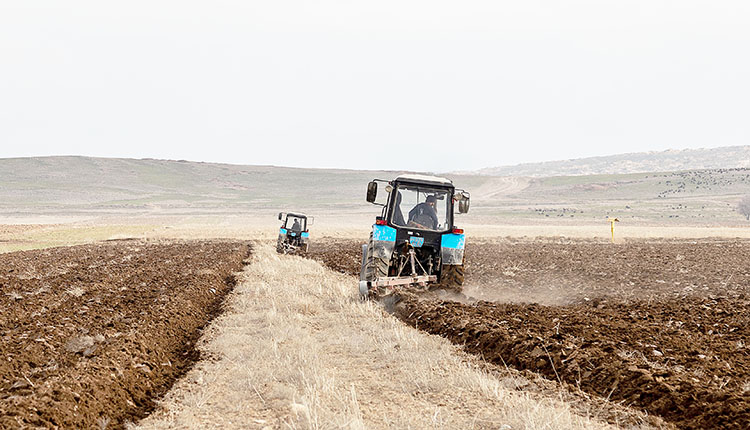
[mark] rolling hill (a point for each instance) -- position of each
(640, 162)
(85, 186)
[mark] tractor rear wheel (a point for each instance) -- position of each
(452, 276)
(375, 266)
(279, 246)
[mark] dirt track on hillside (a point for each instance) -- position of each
(92, 335)
(659, 325)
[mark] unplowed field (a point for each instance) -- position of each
(91, 335)
(661, 326)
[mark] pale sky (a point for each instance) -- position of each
(421, 85)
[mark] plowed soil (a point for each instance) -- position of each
(662, 326)
(92, 335)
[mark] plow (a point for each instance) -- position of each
(389, 284)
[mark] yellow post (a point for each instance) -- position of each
(612, 221)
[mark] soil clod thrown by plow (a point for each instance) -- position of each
(661, 326)
(93, 334)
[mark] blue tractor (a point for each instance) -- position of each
(294, 236)
(414, 241)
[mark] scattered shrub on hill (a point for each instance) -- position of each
(744, 206)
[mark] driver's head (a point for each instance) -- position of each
(431, 200)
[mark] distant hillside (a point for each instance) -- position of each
(639, 162)
(73, 184)
(112, 183)
(85, 186)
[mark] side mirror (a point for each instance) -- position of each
(372, 191)
(281, 216)
(463, 202)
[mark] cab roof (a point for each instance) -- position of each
(297, 214)
(424, 179)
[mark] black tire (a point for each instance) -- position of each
(279, 246)
(452, 276)
(375, 267)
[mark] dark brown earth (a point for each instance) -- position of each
(658, 325)
(92, 335)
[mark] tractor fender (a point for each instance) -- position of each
(452, 249)
(383, 241)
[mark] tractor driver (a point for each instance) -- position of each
(296, 226)
(424, 214)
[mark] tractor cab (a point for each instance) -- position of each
(295, 222)
(414, 240)
(293, 234)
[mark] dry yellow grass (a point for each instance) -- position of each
(265, 227)
(296, 349)
(29, 234)
(602, 231)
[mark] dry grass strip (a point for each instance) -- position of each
(296, 349)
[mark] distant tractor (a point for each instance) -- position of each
(293, 234)
(414, 241)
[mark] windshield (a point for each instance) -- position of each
(421, 207)
(295, 223)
